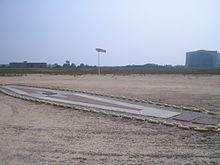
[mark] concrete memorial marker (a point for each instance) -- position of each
(113, 105)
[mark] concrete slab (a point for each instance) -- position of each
(64, 97)
(185, 117)
(90, 101)
(207, 121)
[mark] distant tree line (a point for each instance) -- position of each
(67, 64)
(155, 66)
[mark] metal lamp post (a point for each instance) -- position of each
(99, 51)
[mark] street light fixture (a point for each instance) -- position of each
(99, 51)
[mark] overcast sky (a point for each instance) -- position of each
(132, 31)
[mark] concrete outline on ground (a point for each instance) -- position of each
(134, 108)
(206, 128)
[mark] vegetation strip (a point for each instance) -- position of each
(123, 70)
(210, 128)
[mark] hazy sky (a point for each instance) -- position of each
(132, 31)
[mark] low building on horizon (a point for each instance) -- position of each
(26, 64)
(202, 59)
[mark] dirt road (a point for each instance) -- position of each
(33, 133)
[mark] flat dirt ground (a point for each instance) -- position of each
(33, 133)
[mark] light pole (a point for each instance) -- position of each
(99, 51)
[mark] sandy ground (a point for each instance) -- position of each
(41, 134)
(193, 90)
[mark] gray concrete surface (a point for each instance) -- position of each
(68, 98)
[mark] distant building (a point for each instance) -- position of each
(26, 64)
(202, 59)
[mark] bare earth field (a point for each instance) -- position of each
(33, 133)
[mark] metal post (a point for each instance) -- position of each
(99, 71)
(99, 51)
